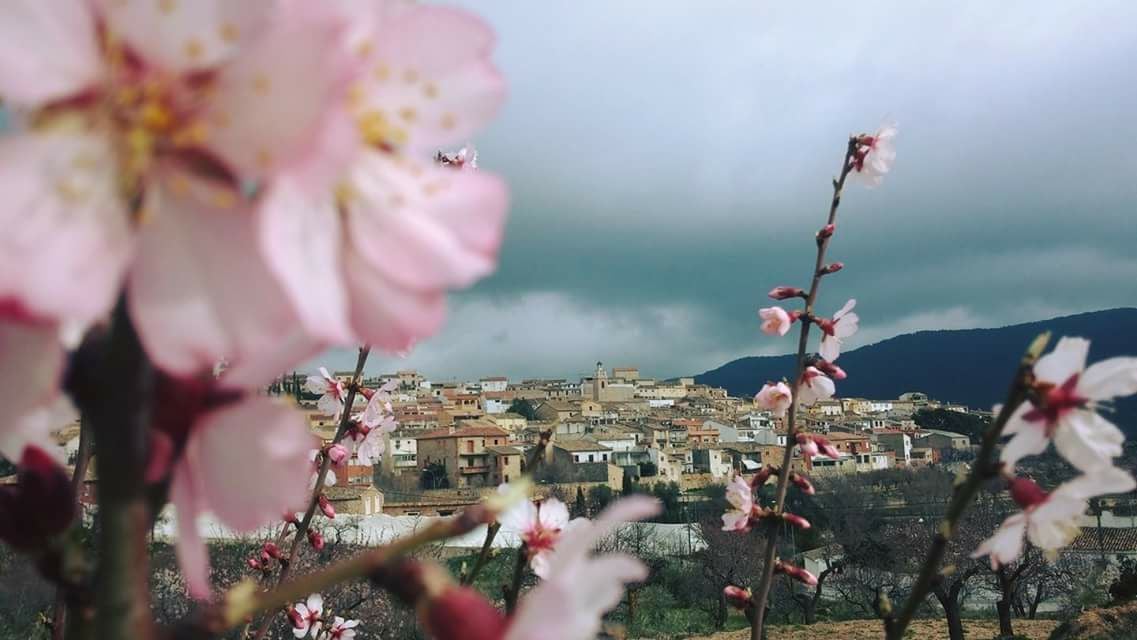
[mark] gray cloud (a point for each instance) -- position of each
(670, 161)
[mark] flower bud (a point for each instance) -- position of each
(803, 483)
(461, 613)
(826, 448)
(40, 506)
(290, 518)
(830, 369)
(326, 506)
(785, 293)
(316, 539)
(826, 231)
(832, 268)
(254, 564)
(806, 444)
(296, 619)
(337, 453)
(763, 475)
(1026, 493)
(272, 550)
(738, 597)
(797, 573)
(265, 558)
(796, 520)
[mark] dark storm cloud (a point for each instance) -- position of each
(670, 161)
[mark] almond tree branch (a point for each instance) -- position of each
(984, 468)
(325, 464)
(771, 555)
(83, 458)
(491, 533)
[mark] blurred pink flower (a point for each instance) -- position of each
(775, 321)
(342, 629)
(1070, 394)
(1050, 521)
(245, 462)
(306, 616)
(875, 155)
(814, 386)
(375, 258)
(774, 397)
(843, 325)
(741, 498)
(148, 119)
(31, 368)
(580, 586)
(540, 526)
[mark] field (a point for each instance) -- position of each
(870, 630)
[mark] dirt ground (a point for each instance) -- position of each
(870, 630)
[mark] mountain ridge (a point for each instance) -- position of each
(967, 366)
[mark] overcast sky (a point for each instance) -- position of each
(670, 161)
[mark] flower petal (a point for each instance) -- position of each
(1067, 358)
(31, 361)
(186, 35)
(282, 103)
(66, 242)
(1112, 378)
(386, 315)
(48, 51)
(300, 238)
(193, 556)
(830, 348)
(1029, 441)
(1088, 441)
(431, 77)
(1007, 542)
(425, 227)
(197, 293)
(553, 514)
(520, 517)
(257, 444)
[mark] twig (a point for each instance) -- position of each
(487, 546)
(325, 465)
(763, 592)
(514, 588)
(983, 469)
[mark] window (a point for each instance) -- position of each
(590, 457)
(469, 446)
(507, 477)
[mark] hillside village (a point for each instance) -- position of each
(456, 440)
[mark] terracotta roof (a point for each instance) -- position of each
(469, 430)
(1113, 540)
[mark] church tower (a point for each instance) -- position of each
(599, 381)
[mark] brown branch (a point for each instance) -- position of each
(513, 590)
(325, 464)
(491, 533)
(82, 459)
(984, 468)
(771, 555)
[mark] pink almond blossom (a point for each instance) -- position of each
(814, 386)
(581, 586)
(331, 390)
(146, 120)
(1071, 394)
(843, 324)
(740, 496)
(775, 321)
(306, 616)
(874, 155)
(342, 629)
(245, 462)
(375, 258)
(540, 525)
(1050, 520)
(774, 397)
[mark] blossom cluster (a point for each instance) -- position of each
(249, 183)
(1064, 408)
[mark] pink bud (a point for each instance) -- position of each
(337, 453)
(762, 476)
(253, 564)
(785, 293)
(803, 483)
(315, 539)
(830, 369)
(297, 620)
(462, 613)
(272, 550)
(826, 448)
(326, 506)
(738, 597)
(796, 520)
(1027, 493)
(40, 506)
(807, 445)
(826, 231)
(265, 557)
(797, 573)
(832, 268)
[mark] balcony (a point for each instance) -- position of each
(473, 470)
